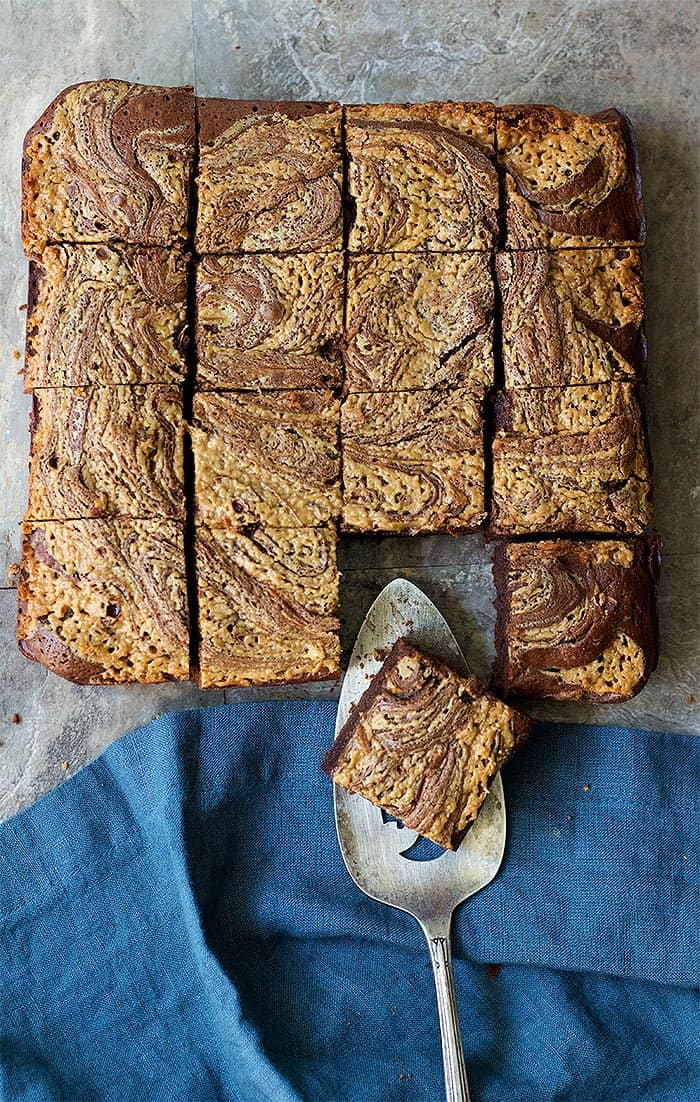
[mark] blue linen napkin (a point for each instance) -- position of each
(176, 924)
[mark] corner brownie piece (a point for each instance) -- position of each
(572, 316)
(424, 744)
(268, 604)
(109, 161)
(571, 181)
(421, 177)
(104, 601)
(97, 314)
(106, 451)
(270, 177)
(576, 620)
(414, 322)
(413, 461)
(570, 459)
(269, 321)
(266, 457)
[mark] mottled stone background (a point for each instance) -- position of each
(582, 55)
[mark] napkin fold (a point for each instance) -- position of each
(176, 923)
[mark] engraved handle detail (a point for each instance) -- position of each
(456, 1086)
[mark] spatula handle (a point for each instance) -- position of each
(456, 1086)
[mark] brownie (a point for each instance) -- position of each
(571, 180)
(97, 314)
(109, 161)
(269, 321)
(414, 322)
(572, 316)
(104, 601)
(576, 620)
(268, 604)
(425, 744)
(413, 461)
(106, 451)
(270, 177)
(267, 457)
(421, 177)
(570, 459)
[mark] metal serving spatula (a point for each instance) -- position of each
(374, 849)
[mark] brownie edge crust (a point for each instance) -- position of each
(424, 744)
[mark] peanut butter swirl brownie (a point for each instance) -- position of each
(570, 459)
(576, 621)
(109, 161)
(572, 316)
(98, 314)
(425, 744)
(268, 604)
(413, 461)
(266, 457)
(273, 322)
(270, 177)
(571, 180)
(414, 322)
(421, 177)
(106, 451)
(104, 601)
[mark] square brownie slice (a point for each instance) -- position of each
(266, 457)
(109, 161)
(104, 601)
(97, 314)
(571, 181)
(413, 461)
(570, 459)
(270, 177)
(414, 322)
(424, 744)
(421, 177)
(268, 606)
(106, 451)
(572, 316)
(270, 322)
(576, 620)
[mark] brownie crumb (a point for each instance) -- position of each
(15, 718)
(494, 970)
(16, 354)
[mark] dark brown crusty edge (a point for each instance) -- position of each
(642, 626)
(214, 116)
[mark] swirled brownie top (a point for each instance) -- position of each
(104, 601)
(576, 621)
(106, 451)
(424, 744)
(413, 461)
(270, 177)
(268, 604)
(266, 457)
(98, 314)
(414, 322)
(571, 180)
(273, 322)
(572, 316)
(421, 177)
(570, 459)
(109, 161)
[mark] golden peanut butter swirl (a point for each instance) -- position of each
(267, 605)
(104, 601)
(412, 461)
(270, 182)
(106, 451)
(105, 315)
(109, 161)
(269, 321)
(421, 179)
(572, 316)
(414, 322)
(266, 457)
(425, 744)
